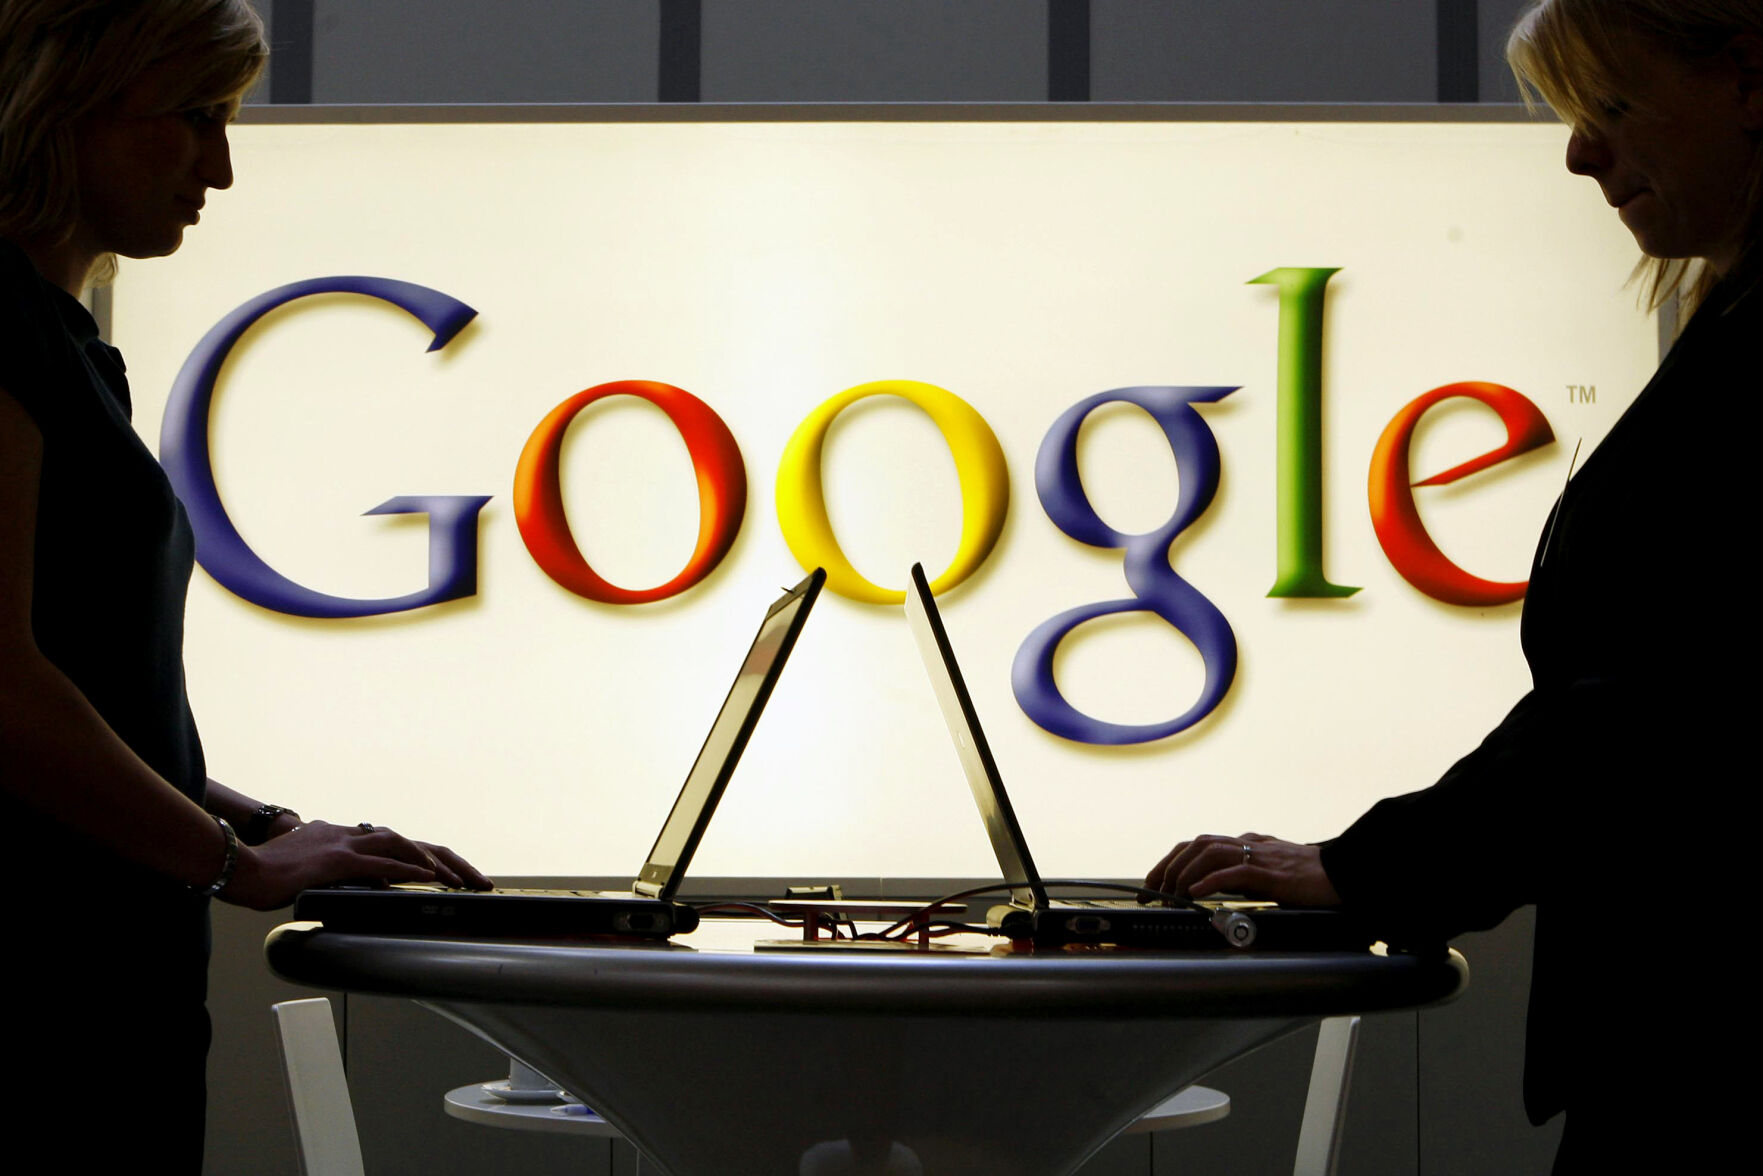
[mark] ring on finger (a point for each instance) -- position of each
(1247, 853)
(365, 826)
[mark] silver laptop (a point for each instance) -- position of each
(648, 909)
(1031, 915)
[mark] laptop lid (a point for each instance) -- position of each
(970, 744)
(692, 809)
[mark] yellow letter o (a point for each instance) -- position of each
(979, 467)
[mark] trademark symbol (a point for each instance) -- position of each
(1582, 393)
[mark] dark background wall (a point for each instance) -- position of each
(1436, 1091)
(477, 51)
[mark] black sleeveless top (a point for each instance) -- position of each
(114, 554)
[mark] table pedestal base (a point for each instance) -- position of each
(720, 1093)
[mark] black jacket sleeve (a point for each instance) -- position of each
(1640, 627)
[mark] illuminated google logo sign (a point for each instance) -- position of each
(980, 467)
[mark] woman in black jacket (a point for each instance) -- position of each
(1638, 629)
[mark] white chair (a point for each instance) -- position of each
(1325, 1107)
(318, 1095)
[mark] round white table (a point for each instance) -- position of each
(715, 1059)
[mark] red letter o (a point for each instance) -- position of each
(716, 460)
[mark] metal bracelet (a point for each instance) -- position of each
(227, 867)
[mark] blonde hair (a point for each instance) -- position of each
(1571, 53)
(61, 59)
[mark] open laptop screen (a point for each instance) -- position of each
(728, 736)
(970, 743)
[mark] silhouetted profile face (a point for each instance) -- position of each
(1674, 156)
(145, 166)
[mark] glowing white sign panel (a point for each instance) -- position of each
(765, 269)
